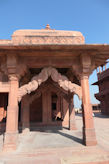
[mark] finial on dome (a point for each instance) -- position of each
(47, 27)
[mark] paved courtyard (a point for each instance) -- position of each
(61, 146)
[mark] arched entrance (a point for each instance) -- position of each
(48, 106)
(50, 94)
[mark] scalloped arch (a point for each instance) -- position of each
(37, 80)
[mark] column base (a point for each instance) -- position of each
(73, 128)
(25, 128)
(72, 125)
(89, 137)
(10, 141)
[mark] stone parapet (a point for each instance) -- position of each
(47, 36)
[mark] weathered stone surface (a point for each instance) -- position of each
(46, 36)
(31, 51)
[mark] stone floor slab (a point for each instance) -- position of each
(61, 146)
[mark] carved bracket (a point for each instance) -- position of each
(14, 69)
(43, 76)
(88, 64)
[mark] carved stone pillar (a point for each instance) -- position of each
(49, 107)
(89, 137)
(72, 125)
(44, 106)
(65, 106)
(25, 107)
(46, 100)
(11, 135)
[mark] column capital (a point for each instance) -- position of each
(13, 77)
(15, 69)
(86, 65)
(84, 76)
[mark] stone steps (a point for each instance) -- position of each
(84, 155)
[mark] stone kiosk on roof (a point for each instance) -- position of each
(40, 71)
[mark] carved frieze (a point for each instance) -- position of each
(46, 36)
(48, 40)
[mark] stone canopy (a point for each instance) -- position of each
(62, 56)
(47, 37)
(70, 44)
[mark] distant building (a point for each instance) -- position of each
(96, 106)
(103, 95)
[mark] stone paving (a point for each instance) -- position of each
(65, 138)
(101, 124)
(50, 139)
(50, 146)
(102, 130)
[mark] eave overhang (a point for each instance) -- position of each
(100, 52)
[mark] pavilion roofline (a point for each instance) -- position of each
(99, 52)
(45, 32)
(9, 43)
(46, 36)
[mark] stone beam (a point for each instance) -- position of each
(57, 62)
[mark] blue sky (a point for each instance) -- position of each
(91, 17)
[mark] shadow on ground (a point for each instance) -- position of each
(96, 114)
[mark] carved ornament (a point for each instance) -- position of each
(37, 80)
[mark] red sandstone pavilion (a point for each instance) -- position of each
(40, 71)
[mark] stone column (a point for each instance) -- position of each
(89, 137)
(72, 125)
(100, 69)
(11, 135)
(46, 100)
(44, 107)
(65, 106)
(49, 107)
(25, 107)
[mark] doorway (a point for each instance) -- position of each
(36, 110)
